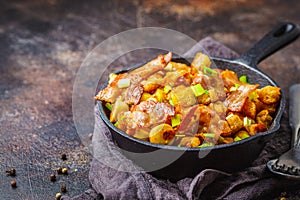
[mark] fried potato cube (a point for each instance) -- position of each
(234, 122)
(204, 99)
(249, 108)
(201, 60)
(269, 94)
(219, 107)
(205, 115)
(256, 128)
(225, 140)
(242, 134)
(213, 95)
(225, 128)
(184, 95)
(230, 78)
(190, 142)
(150, 87)
(263, 117)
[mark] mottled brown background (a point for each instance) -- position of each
(42, 44)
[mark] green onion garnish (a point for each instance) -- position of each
(169, 67)
(167, 88)
(123, 117)
(207, 144)
(171, 102)
(180, 135)
(237, 138)
(244, 136)
(243, 79)
(108, 106)
(179, 145)
(198, 90)
(175, 121)
(209, 135)
(124, 83)
(209, 71)
(234, 88)
(247, 121)
(116, 124)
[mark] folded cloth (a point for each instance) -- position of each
(255, 182)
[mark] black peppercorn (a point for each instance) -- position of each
(59, 170)
(11, 172)
(63, 188)
(58, 196)
(13, 184)
(64, 170)
(63, 156)
(52, 177)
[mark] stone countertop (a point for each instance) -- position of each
(43, 43)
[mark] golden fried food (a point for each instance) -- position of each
(194, 106)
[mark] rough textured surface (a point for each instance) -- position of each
(42, 44)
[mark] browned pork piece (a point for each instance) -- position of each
(132, 86)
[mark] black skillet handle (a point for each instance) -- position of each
(280, 36)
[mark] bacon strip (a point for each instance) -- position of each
(236, 100)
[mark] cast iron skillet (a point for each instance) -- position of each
(226, 157)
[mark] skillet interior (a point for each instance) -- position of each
(226, 157)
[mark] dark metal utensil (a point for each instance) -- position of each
(288, 165)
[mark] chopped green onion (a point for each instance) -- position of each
(243, 79)
(207, 144)
(247, 121)
(209, 135)
(159, 94)
(179, 145)
(198, 90)
(221, 139)
(175, 121)
(171, 102)
(124, 83)
(234, 88)
(237, 138)
(229, 116)
(180, 135)
(123, 117)
(209, 71)
(169, 67)
(112, 77)
(167, 88)
(116, 124)
(108, 106)
(244, 136)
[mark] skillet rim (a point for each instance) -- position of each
(274, 127)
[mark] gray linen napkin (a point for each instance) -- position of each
(255, 182)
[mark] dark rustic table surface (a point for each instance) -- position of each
(43, 43)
